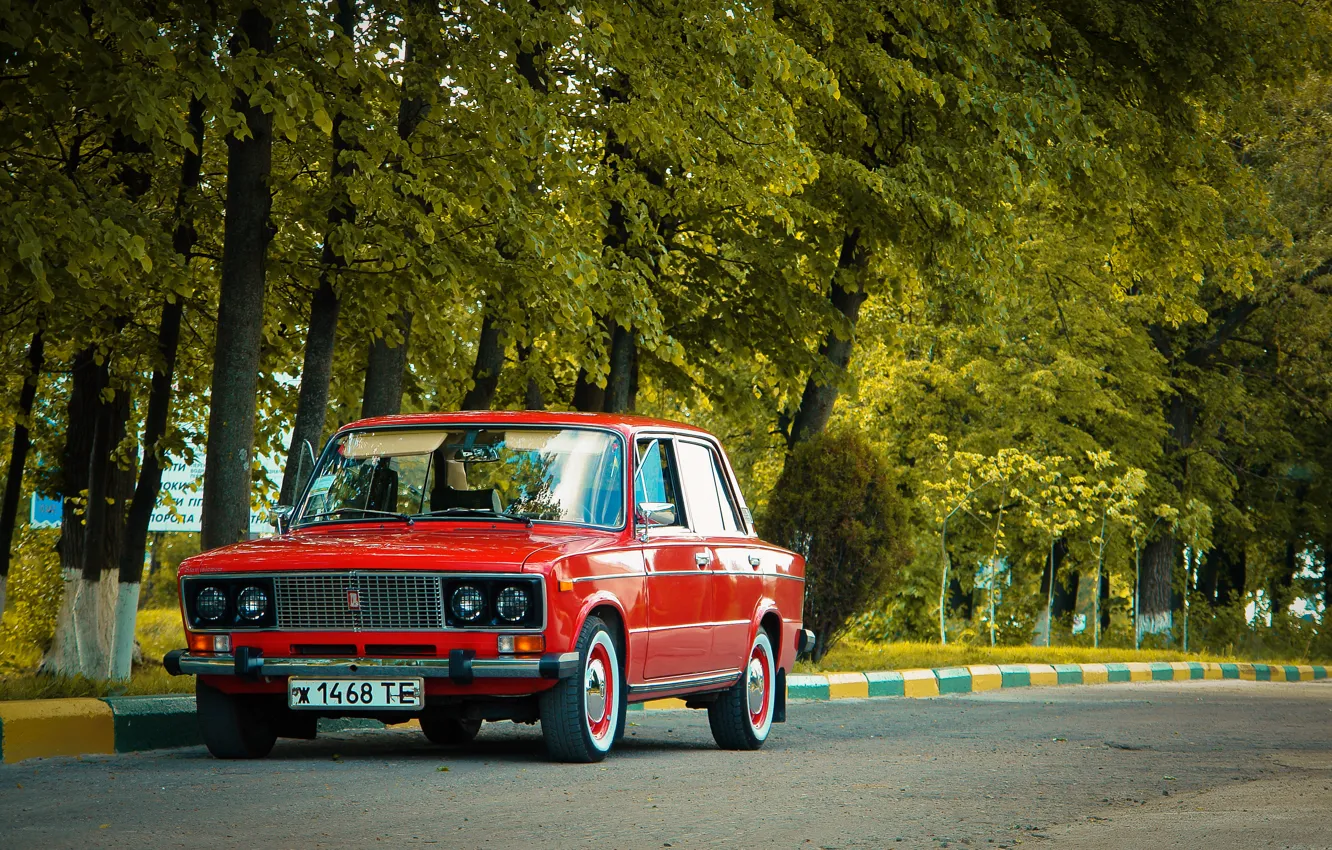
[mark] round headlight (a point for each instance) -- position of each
(252, 603)
(210, 604)
(512, 604)
(468, 603)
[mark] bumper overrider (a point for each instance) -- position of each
(461, 667)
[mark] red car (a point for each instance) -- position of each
(467, 567)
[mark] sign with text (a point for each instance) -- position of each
(180, 501)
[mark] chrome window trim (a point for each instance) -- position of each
(444, 576)
(407, 426)
(721, 679)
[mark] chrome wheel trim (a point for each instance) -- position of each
(600, 709)
(760, 701)
(594, 690)
(757, 686)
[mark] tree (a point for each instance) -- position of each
(837, 504)
(226, 507)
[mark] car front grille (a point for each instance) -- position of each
(360, 602)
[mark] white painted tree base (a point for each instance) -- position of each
(122, 647)
(86, 626)
(1155, 624)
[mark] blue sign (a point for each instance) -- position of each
(45, 512)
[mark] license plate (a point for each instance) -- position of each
(395, 694)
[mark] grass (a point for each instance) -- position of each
(855, 656)
(157, 631)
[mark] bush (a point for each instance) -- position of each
(837, 503)
(34, 586)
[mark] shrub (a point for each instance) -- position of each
(838, 504)
(34, 586)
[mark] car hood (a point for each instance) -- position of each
(420, 547)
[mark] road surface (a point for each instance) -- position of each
(1219, 764)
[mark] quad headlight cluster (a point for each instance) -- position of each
(229, 603)
(489, 603)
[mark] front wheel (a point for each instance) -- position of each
(742, 716)
(234, 726)
(581, 715)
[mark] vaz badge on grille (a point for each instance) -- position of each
(354, 599)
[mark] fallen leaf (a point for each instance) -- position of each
(442, 769)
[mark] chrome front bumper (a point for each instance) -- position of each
(461, 666)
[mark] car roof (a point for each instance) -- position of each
(623, 422)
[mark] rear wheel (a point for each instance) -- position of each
(449, 731)
(581, 715)
(234, 726)
(742, 716)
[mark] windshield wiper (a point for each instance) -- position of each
(481, 512)
(407, 518)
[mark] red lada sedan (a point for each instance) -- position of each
(467, 567)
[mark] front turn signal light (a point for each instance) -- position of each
(521, 644)
(209, 643)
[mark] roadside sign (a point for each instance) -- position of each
(180, 501)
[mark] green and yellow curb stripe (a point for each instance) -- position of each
(985, 677)
(55, 727)
(83, 727)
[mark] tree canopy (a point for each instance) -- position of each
(1018, 229)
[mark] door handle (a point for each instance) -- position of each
(703, 559)
(754, 561)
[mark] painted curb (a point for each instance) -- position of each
(78, 727)
(55, 727)
(984, 677)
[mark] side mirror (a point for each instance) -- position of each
(653, 514)
(281, 518)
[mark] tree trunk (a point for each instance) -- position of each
(110, 485)
(386, 364)
(532, 396)
(486, 369)
(619, 397)
(1104, 601)
(321, 336)
(240, 315)
(816, 404)
(961, 602)
(385, 368)
(1065, 600)
(1051, 602)
(1158, 571)
(62, 657)
(587, 396)
(1282, 585)
(18, 457)
(183, 240)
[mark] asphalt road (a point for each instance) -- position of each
(1215, 764)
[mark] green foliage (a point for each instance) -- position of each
(160, 589)
(34, 588)
(1081, 229)
(837, 504)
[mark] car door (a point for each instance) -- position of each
(679, 592)
(736, 575)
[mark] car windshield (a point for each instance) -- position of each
(571, 475)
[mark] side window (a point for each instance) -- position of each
(699, 480)
(730, 516)
(655, 480)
